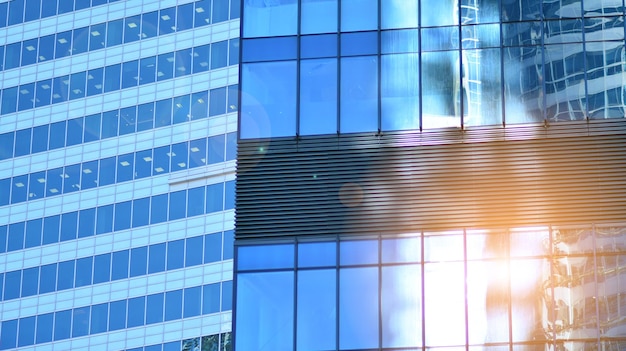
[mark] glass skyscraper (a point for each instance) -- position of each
(117, 165)
(431, 175)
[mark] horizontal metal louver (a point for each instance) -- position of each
(398, 183)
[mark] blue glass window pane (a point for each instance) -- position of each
(179, 156)
(3, 242)
(265, 256)
(149, 24)
(74, 131)
(102, 268)
(19, 190)
(400, 92)
(181, 109)
(104, 219)
(175, 254)
(229, 195)
(212, 247)
(119, 268)
(201, 55)
(22, 142)
(217, 98)
(44, 328)
(89, 177)
(95, 79)
(199, 105)
(313, 10)
(399, 14)
(60, 89)
(27, 331)
(115, 30)
(235, 9)
(231, 146)
(317, 254)
(43, 95)
(317, 309)
(69, 225)
(92, 128)
(30, 281)
(48, 278)
(214, 197)
(227, 295)
(6, 145)
(216, 149)
(362, 43)
(147, 70)
(172, 346)
(269, 19)
(220, 10)
(29, 51)
(4, 9)
(86, 222)
(81, 4)
(359, 15)
(62, 325)
(359, 111)
(318, 96)
(233, 51)
(65, 278)
(167, 19)
(107, 171)
(46, 46)
(125, 168)
(138, 261)
(130, 76)
(193, 251)
(63, 45)
(269, 99)
(40, 138)
(136, 311)
(282, 48)
(26, 97)
(9, 100)
(313, 46)
(122, 215)
(229, 244)
(183, 62)
(145, 116)
(358, 252)
(233, 98)
(8, 334)
(65, 6)
(401, 299)
(158, 209)
(80, 321)
(33, 232)
(192, 300)
(178, 202)
(195, 201)
(12, 55)
(154, 314)
(83, 271)
(358, 308)
(156, 258)
(12, 285)
(165, 66)
(219, 54)
(258, 293)
(141, 212)
(5, 190)
(202, 13)
(211, 298)
(132, 28)
(163, 113)
(97, 32)
(57, 135)
(437, 109)
(33, 10)
(117, 315)
(112, 77)
(16, 236)
(80, 40)
(99, 314)
(173, 305)
(109, 123)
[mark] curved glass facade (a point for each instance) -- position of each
(416, 65)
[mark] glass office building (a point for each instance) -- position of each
(117, 165)
(431, 175)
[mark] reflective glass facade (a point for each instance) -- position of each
(431, 175)
(117, 167)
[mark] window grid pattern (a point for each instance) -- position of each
(117, 169)
(119, 76)
(216, 342)
(16, 12)
(138, 261)
(112, 33)
(519, 288)
(127, 120)
(117, 315)
(119, 216)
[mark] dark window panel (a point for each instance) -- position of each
(132, 29)
(175, 254)
(92, 128)
(193, 251)
(33, 10)
(102, 268)
(199, 105)
(211, 298)
(149, 24)
(156, 258)
(62, 325)
(86, 222)
(179, 156)
(65, 6)
(117, 315)
(84, 268)
(33, 232)
(46, 46)
(212, 247)
(45, 323)
(16, 236)
(97, 34)
(110, 121)
(202, 16)
(65, 277)
(9, 100)
(220, 10)
(112, 77)
(227, 295)
(173, 305)
(107, 171)
(99, 314)
(6, 145)
(80, 321)
(77, 85)
(74, 131)
(16, 12)
(182, 65)
(30, 281)
(119, 268)
(145, 116)
(29, 51)
(130, 75)
(163, 114)
(147, 70)
(12, 285)
(22, 142)
(154, 314)
(26, 334)
(219, 54)
(57, 135)
(48, 278)
(8, 334)
(63, 44)
(158, 209)
(115, 30)
(229, 244)
(141, 212)
(122, 215)
(216, 149)
(181, 109)
(217, 101)
(167, 19)
(51, 227)
(71, 177)
(195, 201)
(80, 40)
(69, 225)
(136, 312)
(192, 301)
(89, 177)
(165, 66)
(201, 57)
(104, 219)
(138, 261)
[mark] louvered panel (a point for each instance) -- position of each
(395, 183)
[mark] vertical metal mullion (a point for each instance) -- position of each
(239, 72)
(380, 293)
(465, 290)
(508, 288)
(379, 56)
(338, 32)
(423, 307)
(552, 273)
(585, 64)
(595, 281)
(295, 294)
(234, 293)
(502, 85)
(337, 258)
(544, 99)
(460, 51)
(299, 20)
